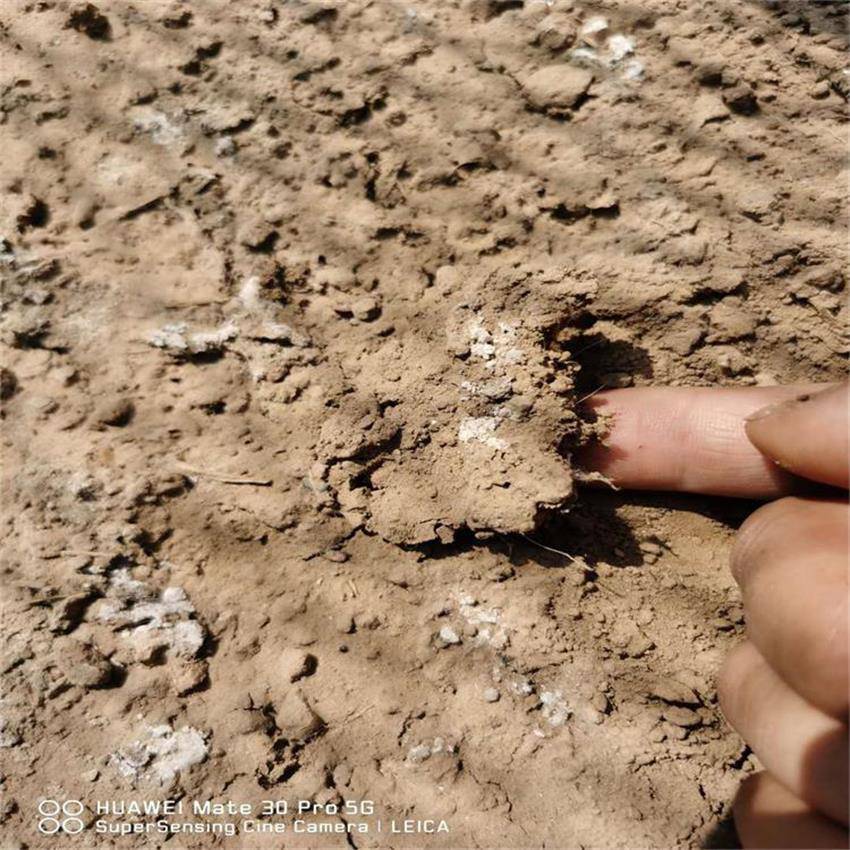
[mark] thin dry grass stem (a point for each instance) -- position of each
(549, 548)
(602, 585)
(589, 346)
(222, 477)
(590, 395)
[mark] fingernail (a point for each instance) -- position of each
(776, 407)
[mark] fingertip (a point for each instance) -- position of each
(687, 439)
(767, 815)
(806, 435)
(615, 450)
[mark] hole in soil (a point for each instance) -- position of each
(37, 215)
(591, 530)
(499, 7)
(605, 362)
(214, 408)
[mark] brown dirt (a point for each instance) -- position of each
(298, 301)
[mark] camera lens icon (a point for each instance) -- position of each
(60, 817)
(73, 825)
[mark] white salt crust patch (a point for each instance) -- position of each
(162, 129)
(554, 708)
(481, 429)
(149, 619)
(612, 52)
(159, 755)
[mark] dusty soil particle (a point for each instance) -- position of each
(115, 411)
(557, 87)
(295, 665)
(83, 665)
(740, 98)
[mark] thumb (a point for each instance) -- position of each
(807, 435)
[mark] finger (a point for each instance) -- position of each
(807, 435)
(768, 815)
(687, 439)
(790, 560)
(805, 749)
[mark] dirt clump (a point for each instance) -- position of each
(458, 426)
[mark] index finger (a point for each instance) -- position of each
(688, 439)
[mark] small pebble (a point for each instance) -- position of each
(672, 691)
(189, 677)
(557, 87)
(296, 664)
(644, 616)
(594, 716)
(554, 34)
(677, 733)
(491, 695)
(741, 99)
(366, 309)
(594, 31)
(302, 636)
(638, 646)
(600, 702)
(116, 411)
(344, 623)
(225, 146)
(710, 73)
(819, 90)
(83, 665)
(449, 636)
(684, 718)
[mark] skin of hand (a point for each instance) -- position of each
(785, 689)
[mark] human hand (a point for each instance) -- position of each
(786, 688)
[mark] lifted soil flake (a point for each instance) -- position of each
(471, 438)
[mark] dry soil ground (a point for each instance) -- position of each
(298, 299)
